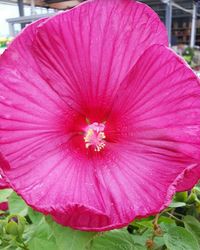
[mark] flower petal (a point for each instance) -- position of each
(190, 179)
(137, 184)
(56, 182)
(34, 144)
(30, 109)
(159, 108)
(21, 47)
(3, 183)
(37, 157)
(87, 51)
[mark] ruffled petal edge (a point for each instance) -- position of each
(59, 213)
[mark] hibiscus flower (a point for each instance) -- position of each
(3, 184)
(4, 206)
(99, 120)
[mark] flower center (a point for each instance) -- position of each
(95, 136)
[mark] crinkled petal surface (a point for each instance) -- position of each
(191, 177)
(93, 47)
(3, 183)
(59, 72)
(159, 108)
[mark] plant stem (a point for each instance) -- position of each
(174, 217)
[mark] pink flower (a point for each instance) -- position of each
(3, 206)
(3, 184)
(98, 122)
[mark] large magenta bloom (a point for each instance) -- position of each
(98, 122)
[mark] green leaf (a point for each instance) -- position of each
(143, 223)
(178, 238)
(41, 244)
(159, 242)
(40, 235)
(193, 226)
(115, 240)
(42, 230)
(35, 216)
(136, 247)
(142, 238)
(17, 205)
(181, 196)
(167, 226)
(197, 190)
(175, 204)
(166, 220)
(69, 239)
(4, 194)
